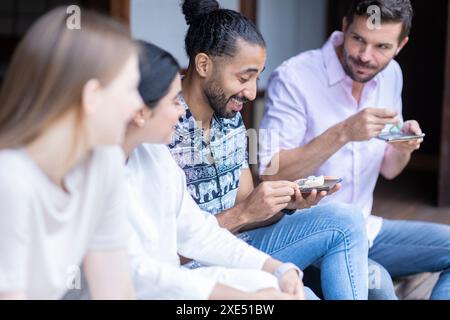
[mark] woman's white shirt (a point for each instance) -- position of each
(45, 232)
(165, 221)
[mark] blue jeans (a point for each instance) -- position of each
(406, 248)
(334, 234)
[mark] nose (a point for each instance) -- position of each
(365, 54)
(251, 90)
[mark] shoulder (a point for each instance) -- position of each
(393, 71)
(151, 154)
(107, 165)
(151, 158)
(16, 172)
(185, 127)
(17, 191)
(111, 153)
(299, 67)
(392, 78)
(108, 157)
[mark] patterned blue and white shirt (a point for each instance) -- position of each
(212, 170)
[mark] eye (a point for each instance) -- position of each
(243, 80)
(359, 39)
(383, 47)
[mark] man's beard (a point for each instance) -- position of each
(219, 101)
(348, 60)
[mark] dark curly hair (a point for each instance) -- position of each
(215, 31)
(391, 11)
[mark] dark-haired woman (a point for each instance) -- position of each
(166, 221)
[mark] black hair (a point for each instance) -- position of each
(391, 11)
(215, 31)
(158, 69)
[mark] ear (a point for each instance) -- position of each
(203, 65)
(141, 117)
(90, 96)
(402, 45)
(344, 24)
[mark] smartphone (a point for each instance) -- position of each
(399, 137)
(327, 186)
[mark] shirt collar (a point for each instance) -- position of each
(333, 66)
(193, 125)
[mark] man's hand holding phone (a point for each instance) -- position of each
(413, 129)
(367, 124)
(305, 198)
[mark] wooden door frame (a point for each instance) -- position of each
(444, 172)
(120, 9)
(249, 8)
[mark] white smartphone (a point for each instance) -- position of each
(399, 137)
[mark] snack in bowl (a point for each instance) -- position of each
(320, 184)
(311, 182)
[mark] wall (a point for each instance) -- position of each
(162, 23)
(290, 27)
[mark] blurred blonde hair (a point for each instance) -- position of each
(50, 68)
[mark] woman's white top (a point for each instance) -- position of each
(165, 221)
(46, 232)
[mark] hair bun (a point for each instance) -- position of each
(194, 9)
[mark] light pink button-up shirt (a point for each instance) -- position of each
(310, 93)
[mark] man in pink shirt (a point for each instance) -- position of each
(326, 107)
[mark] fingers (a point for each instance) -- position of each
(379, 121)
(297, 201)
(289, 282)
(285, 296)
(382, 113)
(314, 198)
(282, 184)
(335, 189)
(412, 126)
(381, 116)
(300, 291)
(299, 196)
(407, 146)
(294, 288)
(303, 201)
(282, 200)
(283, 192)
(374, 130)
(376, 127)
(290, 288)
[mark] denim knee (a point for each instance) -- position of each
(350, 220)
